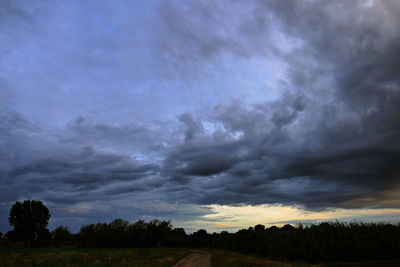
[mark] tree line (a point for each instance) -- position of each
(324, 242)
(328, 241)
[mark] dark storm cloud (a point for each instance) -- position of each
(359, 42)
(335, 141)
(65, 173)
(83, 171)
(201, 160)
(328, 136)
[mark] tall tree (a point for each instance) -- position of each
(62, 236)
(30, 220)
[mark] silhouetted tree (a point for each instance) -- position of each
(325, 242)
(288, 227)
(30, 220)
(176, 237)
(62, 236)
(137, 233)
(158, 231)
(120, 233)
(117, 236)
(259, 228)
(200, 238)
(86, 236)
(330, 241)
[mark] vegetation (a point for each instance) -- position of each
(325, 242)
(30, 220)
(157, 257)
(119, 233)
(224, 258)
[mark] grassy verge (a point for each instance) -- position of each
(223, 258)
(157, 257)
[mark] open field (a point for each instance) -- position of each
(156, 257)
(223, 258)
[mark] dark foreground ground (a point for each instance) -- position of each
(228, 258)
(148, 257)
(47, 257)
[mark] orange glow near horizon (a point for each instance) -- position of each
(232, 218)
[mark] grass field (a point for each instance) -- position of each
(223, 258)
(156, 257)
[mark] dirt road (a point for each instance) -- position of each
(197, 258)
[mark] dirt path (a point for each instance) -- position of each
(197, 258)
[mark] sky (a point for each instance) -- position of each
(212, 114)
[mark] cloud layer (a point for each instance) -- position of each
(206, 102)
